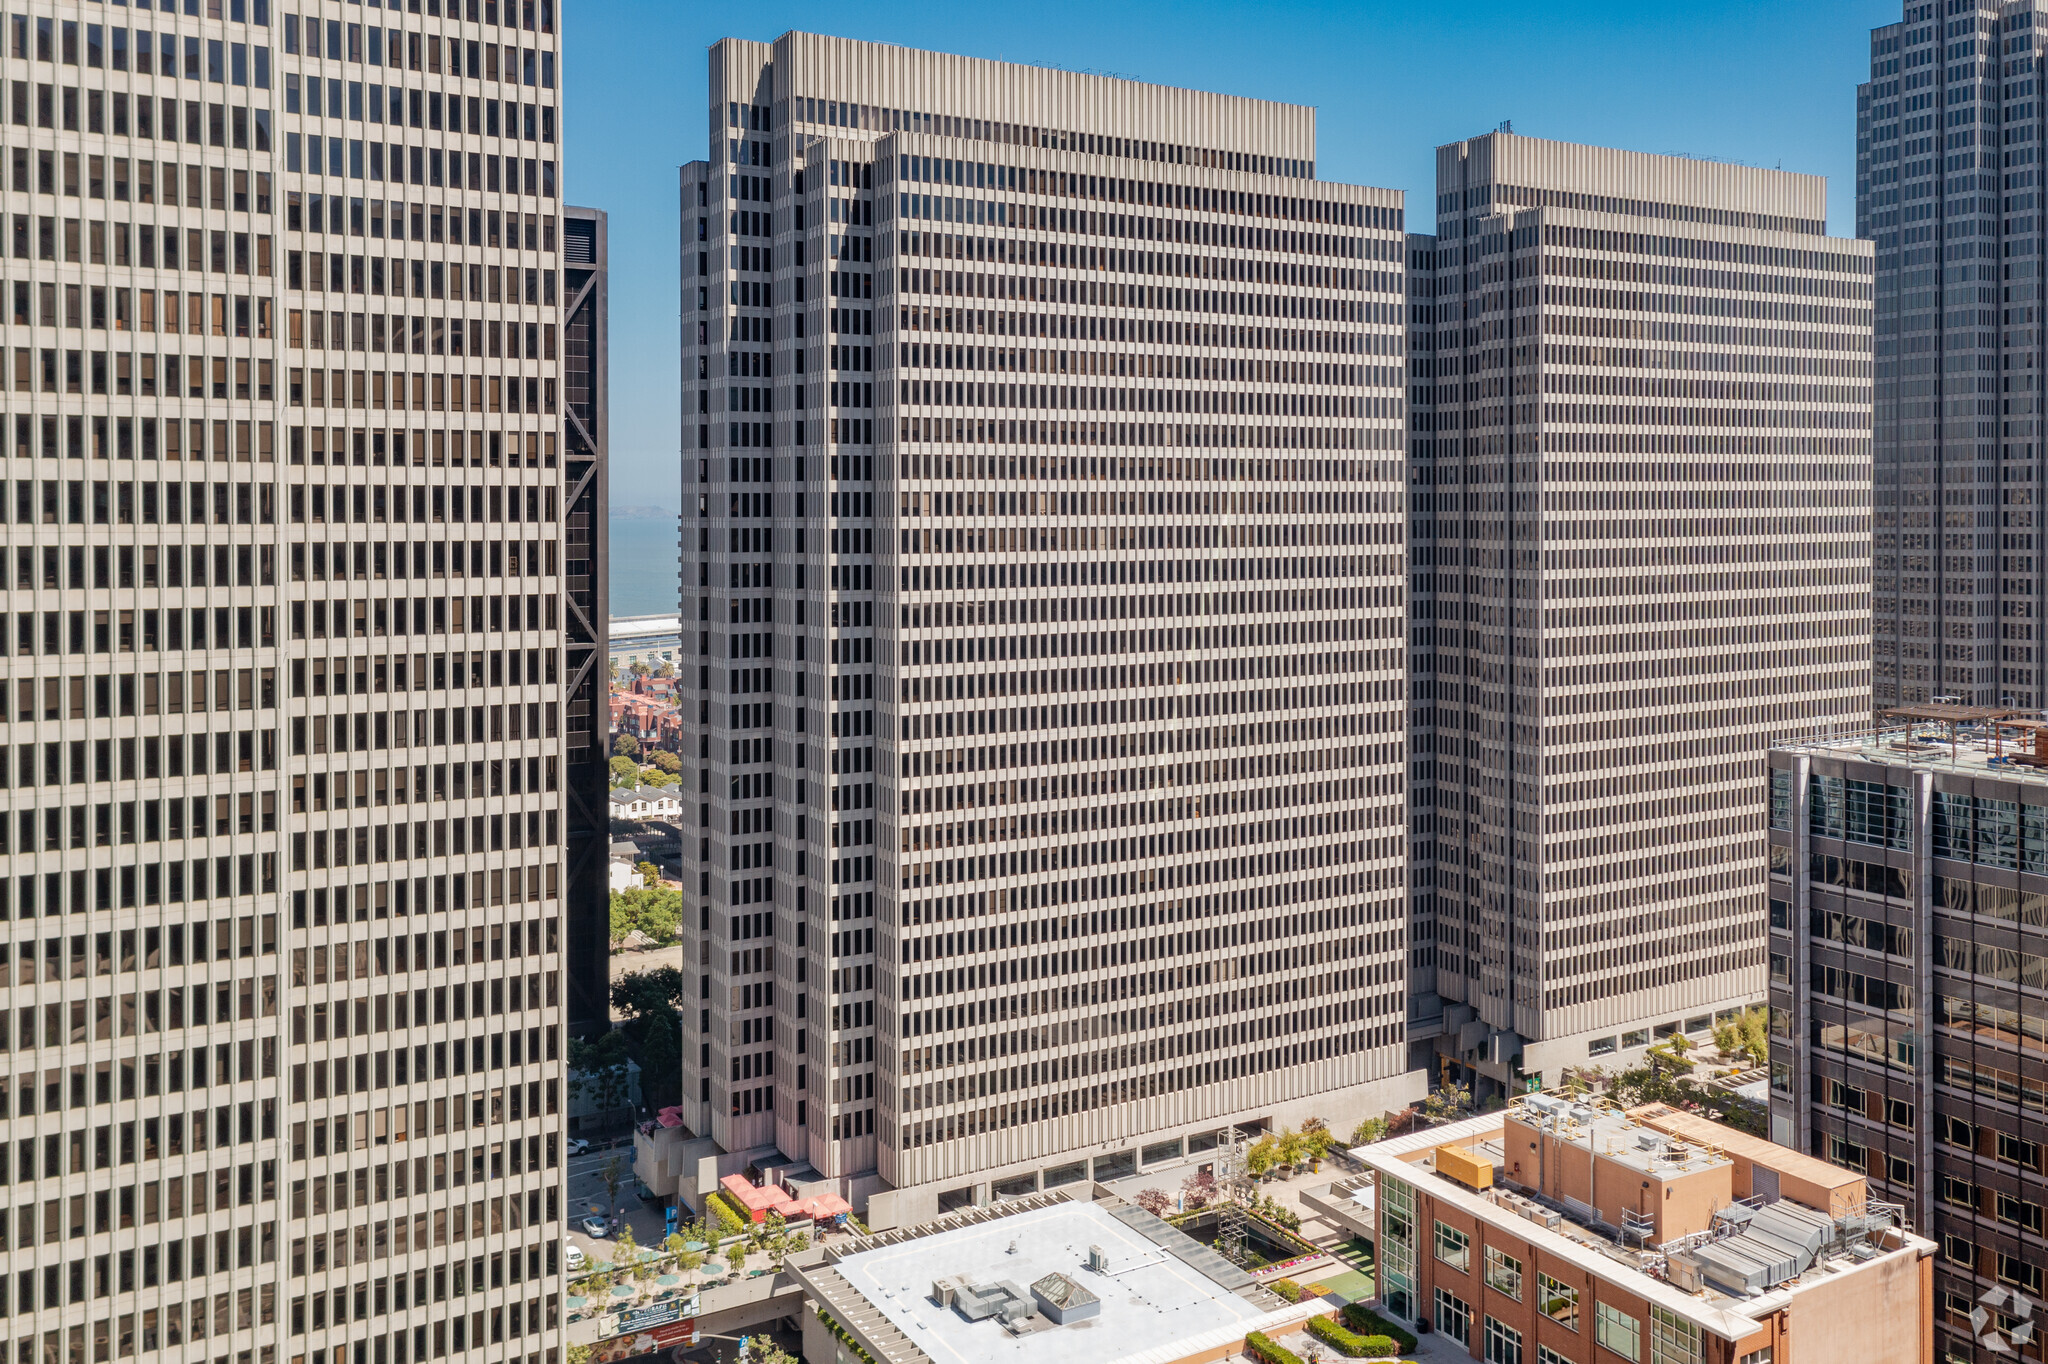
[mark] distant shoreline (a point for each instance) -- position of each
(642, 571)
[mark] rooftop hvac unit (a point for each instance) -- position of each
(1097, 1260)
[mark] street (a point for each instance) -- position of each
(584, 1195)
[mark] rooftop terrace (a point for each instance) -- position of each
(1729, 1238)
(2004, 744)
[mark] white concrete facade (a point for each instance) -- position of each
(1641, 457)
(282, 871)
(1050, 560)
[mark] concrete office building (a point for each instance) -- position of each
(284, 737)
(1947, 132)
(1043, 580)
(1909, 960)
(1640, 462)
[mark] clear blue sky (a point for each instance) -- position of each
(1769, 83)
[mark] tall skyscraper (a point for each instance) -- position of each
(284, 746)
(1046, 572)
(1909, 953)
(1946, 133)
(587, 778)
(1640, 468)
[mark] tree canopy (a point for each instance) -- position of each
(654, 910)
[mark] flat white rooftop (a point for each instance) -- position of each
(621, 628)
(1151, 1300)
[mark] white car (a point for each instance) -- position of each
(572, 1256)
(576, 1146)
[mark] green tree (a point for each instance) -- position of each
(640, 668)
(647, 872)
(665, 760)
(736, 1256)
(625, 772)
(598, 1069)
(627, 1248)
(1293, 1147)
(661, 1061)
(1646, 1084)
(1672, 1052)
(625, 746)
(762, 1350)
(1447, 1101)
(639, 993)
(1746, 1037)
(654, 910)
(1368, 1131)
(613, 1173)
(1262, 1155)
(655, 777)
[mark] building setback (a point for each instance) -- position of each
(284, 743)
(1909, 954)
(1046, 580)
(1947, 128)
(1640, 461)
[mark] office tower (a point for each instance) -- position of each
(587, 779)
(1909, 894)
(1046, 572)
(283, 747)
(1946, 131)
(1640, 463)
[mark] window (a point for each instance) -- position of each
(1503, 1273)
(1617, 1330)
(1546, 1355)
(1848, 1154)
(1899, 1171)
(1762, 1356)
(2019, 1152)
(2014, 1270)
(1960, 1133)
(1453, 1317)
(1558, 1301)
(1781, 798)
(1639, 1038)
(1958, 1251)
(2019, 1213)
(1673, 1339)
(1898, 1113)
(1960, 1192)
(1454, 1248)
(1503, 1343)
(1397, 1247)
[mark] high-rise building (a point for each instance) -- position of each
(587, 778)
(1640, 468)
(1909, 952)
(1946, 131)
(284, 731)
(1044, 575)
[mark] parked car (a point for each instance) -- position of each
(576, 1146)
(595, 1227)
(572, 1256)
